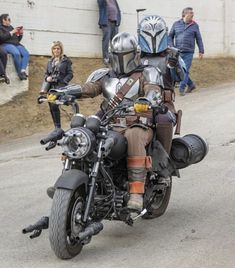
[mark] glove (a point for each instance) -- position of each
(141, 105)
(51, 97)
(172, 62)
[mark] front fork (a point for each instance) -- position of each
(93, 174)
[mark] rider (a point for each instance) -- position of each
(143, 86)
(153, 40)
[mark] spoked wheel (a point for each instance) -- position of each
(64, 224)
(160, 202)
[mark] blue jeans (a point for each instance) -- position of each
(188, 58)
(20, 55)
(109, 32)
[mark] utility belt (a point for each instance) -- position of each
(144, 119)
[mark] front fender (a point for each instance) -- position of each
(72, 179)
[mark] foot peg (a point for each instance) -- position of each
(142, 213)
(37, 228)
(92, 229)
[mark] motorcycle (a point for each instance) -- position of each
(93, 185)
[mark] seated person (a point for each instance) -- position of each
(3, 63)
(10, 40)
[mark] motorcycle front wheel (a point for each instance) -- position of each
(160, 203)
(63, 227)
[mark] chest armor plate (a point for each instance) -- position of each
(159, 62)
(112, 85)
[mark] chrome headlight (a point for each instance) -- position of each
(78, 142)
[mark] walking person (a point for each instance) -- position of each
(10, 38)
(183, 35)
(3, 64)
(109, 21)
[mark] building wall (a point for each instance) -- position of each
(74, 22)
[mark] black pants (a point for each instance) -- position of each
(55, 114)
(3, 61)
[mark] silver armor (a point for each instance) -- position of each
(111, 85)
(97, 75)
(153, 75)
(124, 53)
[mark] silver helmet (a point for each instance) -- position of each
(124, 53)
(153, 34)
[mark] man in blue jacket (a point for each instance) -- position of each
(183, 35)
(109, 20)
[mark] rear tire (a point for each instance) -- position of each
(60, 224)
(160, 204)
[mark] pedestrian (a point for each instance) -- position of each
(183, 35)
(10, 38)
(58, 74)
(3, 63)
(109, 21)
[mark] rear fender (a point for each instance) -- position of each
(72, 179)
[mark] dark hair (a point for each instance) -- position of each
(185, 10)
(3, 17)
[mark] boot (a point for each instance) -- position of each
(135, 202)
(164, 135)
(136, 176)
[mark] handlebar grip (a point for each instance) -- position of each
(55, 135)
(40, 99)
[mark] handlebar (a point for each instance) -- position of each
(55, 135)
(156, 108)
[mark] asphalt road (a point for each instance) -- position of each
(197, 230)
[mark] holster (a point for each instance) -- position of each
(178, 122)
(168, 95)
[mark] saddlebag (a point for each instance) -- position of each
(188, 150)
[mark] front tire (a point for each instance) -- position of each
(160, 203)
(61, 223)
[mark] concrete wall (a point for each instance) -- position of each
(74, 22)
(7, 92)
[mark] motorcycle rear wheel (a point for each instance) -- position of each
(160, 204)
(61, 222)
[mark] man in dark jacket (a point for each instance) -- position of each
(109, 20)
(10, 40)
(183, 35)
